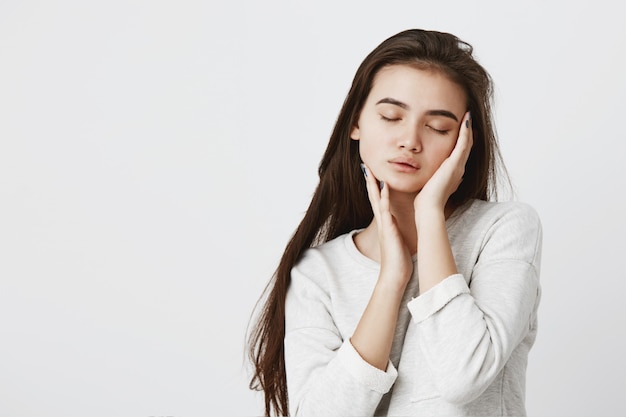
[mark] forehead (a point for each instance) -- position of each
(419, 88)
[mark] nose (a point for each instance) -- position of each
(411, 140)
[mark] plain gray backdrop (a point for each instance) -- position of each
(155, 157)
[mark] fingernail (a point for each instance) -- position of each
(381, 184)
(363, 169)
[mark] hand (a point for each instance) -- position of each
(396, 265)
(448, 177)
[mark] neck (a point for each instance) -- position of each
(403, 210)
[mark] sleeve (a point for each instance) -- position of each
(467, 333)
(325, 374)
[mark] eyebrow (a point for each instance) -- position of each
(444, 113)
(393, 101)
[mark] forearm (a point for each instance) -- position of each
(325, 374)
(374, 334)
(340, 387)
(435, 261)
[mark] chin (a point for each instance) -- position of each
(404, 188)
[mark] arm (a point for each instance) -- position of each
(373, 335)
(434, 255)
(329, 376)
(468, 332)
(325, 375)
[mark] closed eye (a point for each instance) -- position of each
(390, 119)
(439, 131)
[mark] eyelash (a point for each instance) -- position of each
(387, 119)
(441, 132)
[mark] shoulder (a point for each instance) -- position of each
(318, 262)
(319, 272)
(327, 251)
(335, 263)
(505, 229)
(489, 215)
(490, 211)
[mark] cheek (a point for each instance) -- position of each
(442, 150)
(366, 151)
(370, 143)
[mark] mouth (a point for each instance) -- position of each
(405, 164)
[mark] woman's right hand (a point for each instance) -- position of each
(373, 336)
(396, 265)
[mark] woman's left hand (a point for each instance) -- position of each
(448, 177)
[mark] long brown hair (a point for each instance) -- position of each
(340, 203)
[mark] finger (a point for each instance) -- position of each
(384, 199)
(470, 134)
(465, 141)
(373, 192)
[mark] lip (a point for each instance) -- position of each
(405, 164)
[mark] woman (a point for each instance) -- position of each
(404, 290)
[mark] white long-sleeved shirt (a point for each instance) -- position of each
(460, 349)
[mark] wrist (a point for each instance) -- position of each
(429, 215)
(392, 286)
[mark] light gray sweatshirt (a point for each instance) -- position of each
(460, 349)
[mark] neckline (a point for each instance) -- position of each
(451, 222)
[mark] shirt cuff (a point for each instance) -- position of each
(433, 300)
(370, 376)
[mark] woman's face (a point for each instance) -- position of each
(409, 125)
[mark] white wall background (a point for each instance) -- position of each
(155, 157)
